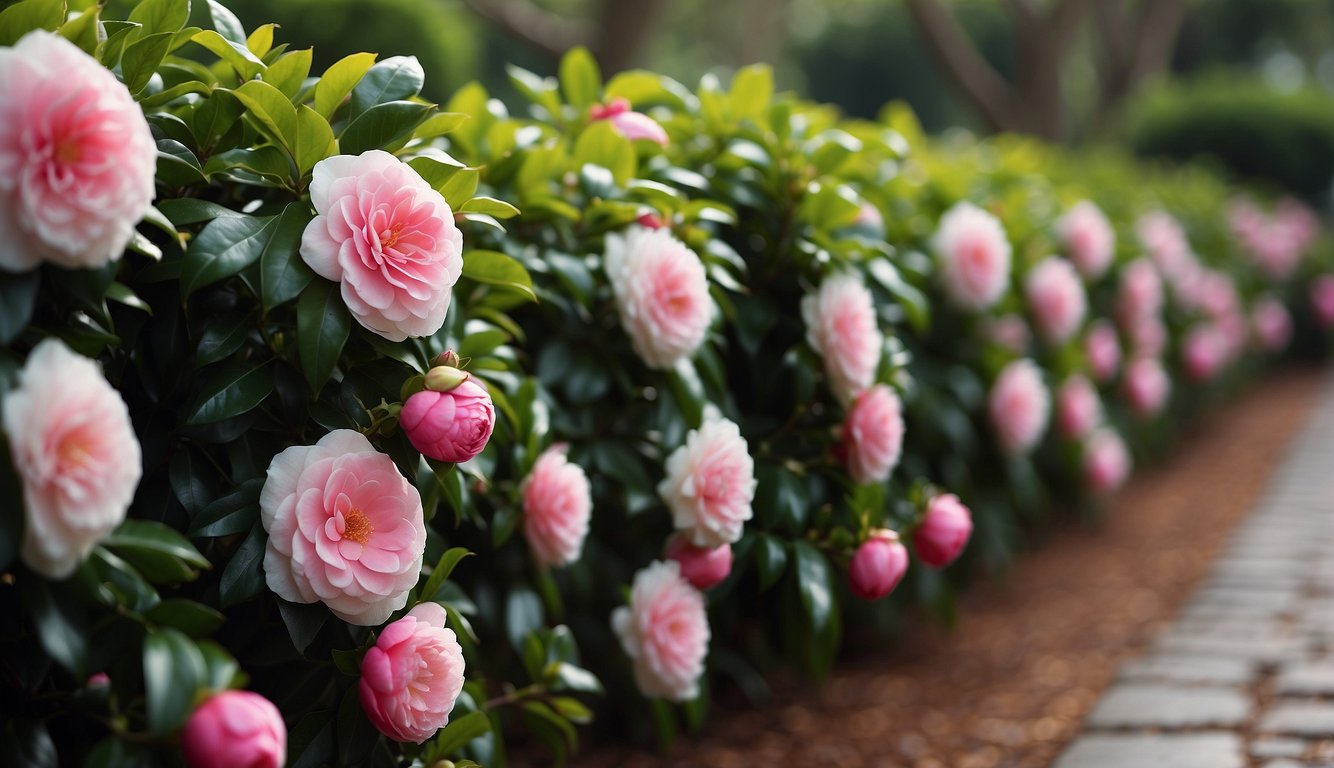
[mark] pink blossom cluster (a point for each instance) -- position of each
(1276, 241)
(1088, 239)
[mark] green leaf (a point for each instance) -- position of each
(322, 328)
(223, 334)
(177, 166)
(158, 16)
(339, 80)
(496, 268)
(221, 670)
(575, 678)
(232, 514)
(459, 732)
(814, 584)
(192, 618)
(21, 18)
(601, 144)
(18, 298)
(770, 559)
(142, 58)
(523, 614)
(314, 139)
(303, 622)
(580, 79)
(382, 126)
(82, 30)
(260, 42)
(268, 161)
(60, 628)
(445, 566)
(242, 578)
(173, 671)
(223, 248)
(439, 124)
(490, 206)
(229, 390)
(226, 23)
(283, 275)
(183, 211)
(234, 53)
(157, 551)
(187, 483)
(274, 112)
(460, 187)
(394, 79)
(121, 294)
(288, 73)
(27, 743)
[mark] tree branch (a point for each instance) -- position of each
(978, 80)
(530, 24)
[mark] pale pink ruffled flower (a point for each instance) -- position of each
(345, 528)
(1056, 297)
(1103, 350)
(1141, 293)
(1019, 406)
(1161, 235)
(710, 484)
(76, 455)
(1106, 461)
(557, 505)
(412, 676)
(1079, 408)
(235, 728)
(1322, 299)
(77, 159)
(1203, 352)
(1272, 324)
(662, 294)
(665, 632)
(944, 531)
(872, 435)
(1088, 238)
(632, 125)
(1146, 385)
(1148, 336)
(388, 239)
(841, 326)
(877, 566)
(703, 567)
(974, 256)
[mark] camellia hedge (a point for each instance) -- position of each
(345, 428)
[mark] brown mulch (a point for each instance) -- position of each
(1033, 650)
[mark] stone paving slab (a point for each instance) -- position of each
(1138, 705)
(1194, 750)
(1310, 719)
(1189, 670)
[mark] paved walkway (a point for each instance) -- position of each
(1245, 677)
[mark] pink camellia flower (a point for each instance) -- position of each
(1146, 385)
(387, 238)
(1103, 350)
(449, 426)
(1079, 408)
(710, 484)
(77, 158)
(1010, 331)
(1203, 352)
(1141, 293)
(235, 728)
(412, 676)
(631, 125)
(1106, 461)
(76, 455)
(665, 632)
(974, 256)
(703, 567)
(877, 566)
(1162, 236)
(1019, 406)
(557, 503)
(345, 528)
(662, 294)
(1272, 323)
(1322, 299)
(944, 531)
(1088, 237)
(1056, 297)
(841, 326)
(872, 435)
(1148, 336)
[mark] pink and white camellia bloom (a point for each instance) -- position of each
(77, 158)
(345, 528)
(841, 326)
(388, 239)
(703, 567)
(557, 504)
(451, 426)
(235, 728)
(1141, 293)
(665, 632)
(1079, 409)
(710, 484)
(1148, 336)
(1056, 297)
(1088, 238)
(1020, 406)
(877, 566)
(944, 531)
(1322, 299)
(872, 435)
(1272, 324)
(662, 294)
(1106, 461)
(1203, 352)
(76, 455)
(630, 124)
(412, 676)
(1103, 350)
(973, 255)
(1147, 386)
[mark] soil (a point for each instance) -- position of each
(1010, 684)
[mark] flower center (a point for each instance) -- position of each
(356, 526)
(68, 151)
(389, 238)
(73, 452)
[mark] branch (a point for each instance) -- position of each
(978, 80)
(527, 23)
(623, 32)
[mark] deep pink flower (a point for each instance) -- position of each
(234, 729)
(1203, 352)
(557, 504)
(877, 566)
(944, 531)
(1019, 406)
(1322, 298)
(412, 676)
(632, 125)
(450, 426)
(76, 454)
(1146, 385)
(841, 326)
(710, 484)
(1088, 238)
(345, 528)
(1103, 350)
(662, 294)
(872, 435)
(973, 255)
(388, 239)
(1078, 407)
(1272, 323)
(77, 158)
(665, 632)
(1056, 297)
(1106, 461)
(703, 567)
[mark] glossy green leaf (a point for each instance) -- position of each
(226, 23)
(192, 618)
(314, 139)
(158, 16)
(60, 626)
(459, 188)
(82, 30)
(439, 124)
(491, 207)
(272, 110)
(223, 334)
(814, 584)
(173, 671)
(394, 79)
(601, 144)
(382, 126)
(156, 550)
(229, 390)
(18, 298)
(459, 732)
(142, 58)
(289, 72)
(242, 578)
(303, 622)
(580, 78)
(496, 268)
(770, 559)
(443, 568)
(339, 80)
(283, 275)
(224, 247)
(322, 327)
(231, 514)
(23, 17)
(234, 53)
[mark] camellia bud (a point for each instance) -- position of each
(449, 358)
(703, 567)
(651, 220)
(944, 531)
(878, 565)
(449, 426)
(235, 728)
(445, 378)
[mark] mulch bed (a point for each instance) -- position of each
(1032, 651)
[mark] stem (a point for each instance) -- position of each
(515, 696)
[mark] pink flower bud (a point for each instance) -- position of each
(1106, 461)
(650, 221)
(1103, 350)
(1078, 408)
(444, 378)
(944, 531)
(632, 125)
(1203, 352)
(877, 566)
(703, 567)
(235, 728)
(449, 426)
